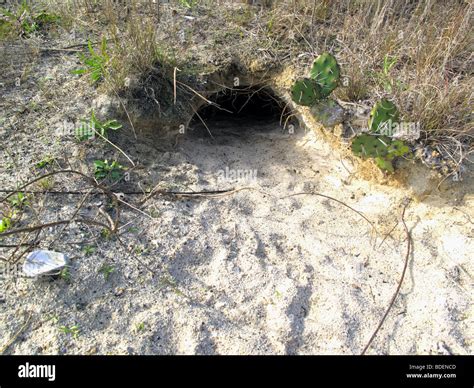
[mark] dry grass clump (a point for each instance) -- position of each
(416, 53)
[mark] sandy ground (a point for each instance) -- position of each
(255, 271)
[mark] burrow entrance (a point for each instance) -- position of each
(239, 111)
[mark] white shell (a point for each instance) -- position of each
(39, 263)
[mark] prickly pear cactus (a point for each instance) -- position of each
(370, 146)
(305, 92)
(382, 113)
(381, 148)
(326, 73)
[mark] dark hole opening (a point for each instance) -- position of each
(244, 109)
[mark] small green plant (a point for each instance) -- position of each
(5, 224)
(73, 330)
(24, 21)
(18, 201)
(188, 3)
(154, 212)
(385, 78)
(106, 270)
(133, 229)
(141, 250)
(65, 274)
(46, 161)
(95, 62)
(47, 183)
(105, 170)
(88, 129)
(140, 327)
(44, 18)
(105, 233)
(89, 250)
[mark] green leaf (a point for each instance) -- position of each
(18, 201)
(5, 223)
(112, 124)
(96, 75)
(91, 49)
(105, 170)
(79, 71)
(366, 145)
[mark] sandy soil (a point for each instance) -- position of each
(256, 271)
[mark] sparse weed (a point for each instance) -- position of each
(188, 3)
(5, 224)
(111, 171)
(47, 183)
(95, 62)
(46, 161)
(89, 250)
(24, 21)
(54, 318)
(106, 270)
(385, 78)
(18, 201)
(65, 275)
(89, 128)
(74, 330)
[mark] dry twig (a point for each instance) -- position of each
(402, 277)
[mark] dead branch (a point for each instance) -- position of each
(86, 177)
(55, 223)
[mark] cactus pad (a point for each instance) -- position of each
(326, 73)
(381, 114)
(381, 148)
(370, 146)
(305, 92)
